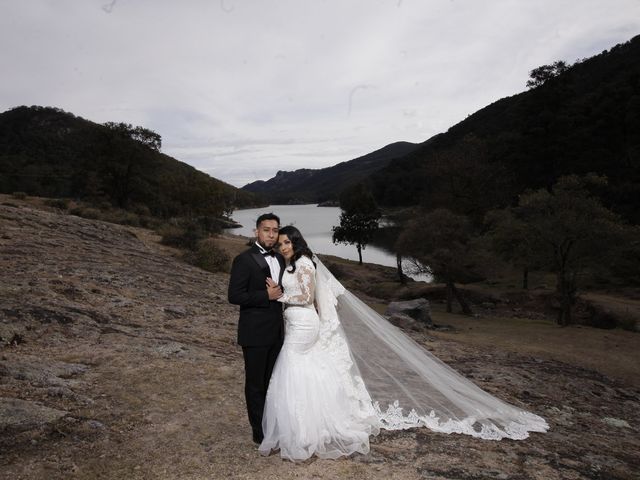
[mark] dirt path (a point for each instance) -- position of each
(118, 361)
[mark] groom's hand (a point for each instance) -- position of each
(273, 289)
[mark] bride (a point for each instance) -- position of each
(344, 372)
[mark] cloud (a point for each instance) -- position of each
(244, 89)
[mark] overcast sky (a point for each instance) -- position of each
(243, 88)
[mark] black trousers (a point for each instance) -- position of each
(258, 365)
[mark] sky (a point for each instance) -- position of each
(241, 89)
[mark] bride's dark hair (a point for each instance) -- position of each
(299, 245)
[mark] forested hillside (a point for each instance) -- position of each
(584, 119)
(45, 151)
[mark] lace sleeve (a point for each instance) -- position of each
(302, 290)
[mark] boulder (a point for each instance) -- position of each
(418, 309)
(616, 422)
(19, 414)
(42, 372)
(406, 322)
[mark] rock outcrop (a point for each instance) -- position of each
(410, 313)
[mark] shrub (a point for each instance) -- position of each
(60, 203)
(602, 316)
(149, 222)
(208, 224)
(209, 256)
(122, 217)
(141, 210)
(181, 236)
(170, 234)
(90, 213)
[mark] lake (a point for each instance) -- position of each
(315, 223)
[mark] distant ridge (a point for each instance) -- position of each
(586, 119)
(320, 185)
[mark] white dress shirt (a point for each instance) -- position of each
(272, 261)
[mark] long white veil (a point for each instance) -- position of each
(399, 381)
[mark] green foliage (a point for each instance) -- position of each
(461, 178)
(186, 236)
(188, 233)
(358, 199)
(86, 212)
(444, 244)
(47, 152)
(538, 76)
(624, 269)
(566, 230)
(209, 256)
(355, 229)
(106, 213)
(124, 217)
(586, 119)
(359, 218)
(511, 242)
(60, 203)
(603, 316)
(143, 135)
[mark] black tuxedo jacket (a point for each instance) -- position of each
(260, 318)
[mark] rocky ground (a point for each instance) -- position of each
(118, 360)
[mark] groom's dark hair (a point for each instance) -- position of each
(267, 216)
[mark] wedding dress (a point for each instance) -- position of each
(311, 407)
(344, 372)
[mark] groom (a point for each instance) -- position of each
(260, 328)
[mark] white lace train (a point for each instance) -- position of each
(339, 366)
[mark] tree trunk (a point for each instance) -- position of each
(566, 293)
(525, 278)
(403, 279)
(466, 309)
(122, 184)
(359, 247)
(564, 315)
(449, 296)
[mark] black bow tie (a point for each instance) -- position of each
(269, 252)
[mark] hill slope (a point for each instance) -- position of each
(123, 371)
(584, 120)
(48, 152)
(314, 186)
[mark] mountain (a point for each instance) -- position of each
(585, 119)
(319, 185)
(45, 151)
